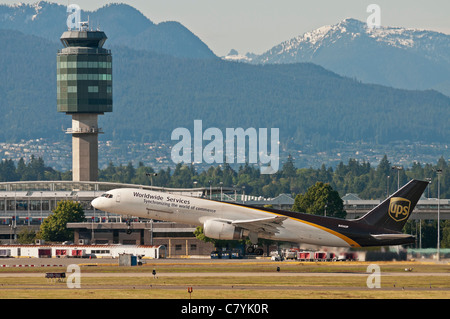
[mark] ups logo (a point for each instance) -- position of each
(399, 208)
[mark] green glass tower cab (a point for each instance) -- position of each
(84, 90)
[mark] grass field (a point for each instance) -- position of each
(237, 280)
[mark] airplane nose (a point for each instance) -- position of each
(96, 203)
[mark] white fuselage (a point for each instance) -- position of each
(196, 211)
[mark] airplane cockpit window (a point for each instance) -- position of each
(107, 195)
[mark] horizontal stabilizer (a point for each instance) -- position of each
(390, 236)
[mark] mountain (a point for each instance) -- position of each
(397, 57)
(156, 93)
(28, 87)
(307, 102)
(123, 24)
(159, 86)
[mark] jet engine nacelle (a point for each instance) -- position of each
(222, 230)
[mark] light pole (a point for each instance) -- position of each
(398, 168)
(41, 207)
(210, 189)
(195, 185)
(15, 214)
(428, 179)
(151, 177)
(387, 186)
(439, 172)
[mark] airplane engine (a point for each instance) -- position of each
(222, 230)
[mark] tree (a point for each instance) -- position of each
(216, 242)
(429, 233)
(320, 199)
(26, 236)
(288, 169)
(219, 243)
(54, 227)
(445, 241)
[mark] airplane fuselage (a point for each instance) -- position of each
(232, 221)
(224, 220)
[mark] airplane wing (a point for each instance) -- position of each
(269, 225)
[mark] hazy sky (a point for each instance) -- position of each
(257, 25)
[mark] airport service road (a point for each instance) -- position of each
(44, 262)
(111, 261)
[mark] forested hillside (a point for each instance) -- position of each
(154, 94)
(308, 103)
(122, 23)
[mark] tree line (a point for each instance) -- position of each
(361, 178)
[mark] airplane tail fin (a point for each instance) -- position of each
(393, 212)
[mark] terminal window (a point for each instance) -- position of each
(93, 89)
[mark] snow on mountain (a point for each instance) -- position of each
(233, 55)
(302, 48)
(392, 56)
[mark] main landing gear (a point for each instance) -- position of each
(254, 249)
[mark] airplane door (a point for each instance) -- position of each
(118, 198)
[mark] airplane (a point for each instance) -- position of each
(381, 226)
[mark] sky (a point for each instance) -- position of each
(258, 25)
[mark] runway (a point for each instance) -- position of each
(227, 274)
(219, 279)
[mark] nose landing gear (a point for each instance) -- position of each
(129, 231)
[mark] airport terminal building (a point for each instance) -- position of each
(27, 204)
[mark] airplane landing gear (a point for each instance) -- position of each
(254, 249)
(129, 231)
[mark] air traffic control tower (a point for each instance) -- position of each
(84, 90)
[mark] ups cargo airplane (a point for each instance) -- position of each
(222, 220)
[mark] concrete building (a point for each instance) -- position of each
(84, 90)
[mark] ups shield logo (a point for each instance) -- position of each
(399, 208)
